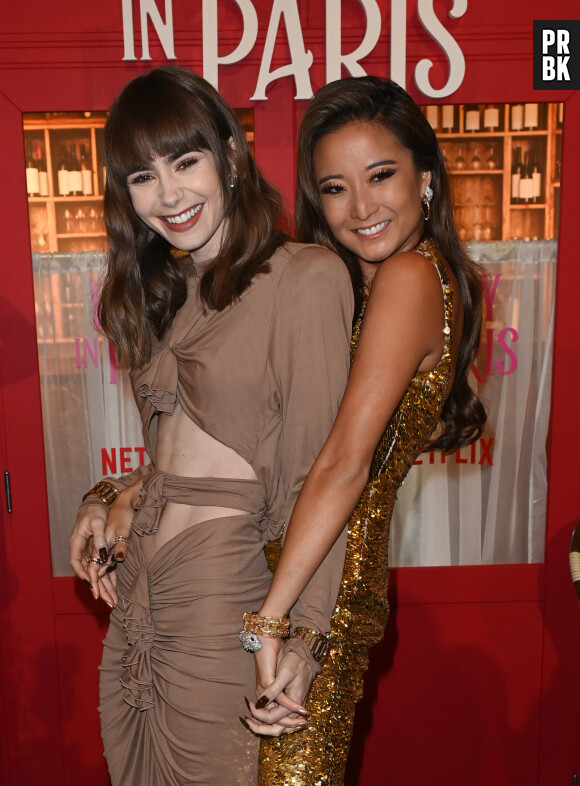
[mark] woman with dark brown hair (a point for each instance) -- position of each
(237, 344)
(371, 186)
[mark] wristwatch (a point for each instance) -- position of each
(104, 491)
(317, 642)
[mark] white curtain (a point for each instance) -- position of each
(90, 419)
(484, 504)
(487, 503)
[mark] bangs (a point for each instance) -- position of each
(132, 148)
(146, 123)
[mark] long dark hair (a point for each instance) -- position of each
(170, 111)
(382, 102)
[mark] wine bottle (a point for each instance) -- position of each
(516, 175)
(86, 172)
(432, 115)
(531, 116)
(517, 117)
(42, 173)
(472, 117)
(32, 180)
(62, 170)
(448, 118)
(526, 181)
(491, 118)
(75, 178)
(536, 180)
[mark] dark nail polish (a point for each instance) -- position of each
(262, 702)
(244, 723)
(119, 556)
(103, 554)
(111, 568)
(248, 705)
(88, 582)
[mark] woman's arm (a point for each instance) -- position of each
(308, 362)
(402, 333)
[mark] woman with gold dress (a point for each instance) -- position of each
(371, 186)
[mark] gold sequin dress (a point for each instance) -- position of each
(318, 755)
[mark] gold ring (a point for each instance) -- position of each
(95, 561)
(121, 537)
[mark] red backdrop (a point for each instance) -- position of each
(477, 681)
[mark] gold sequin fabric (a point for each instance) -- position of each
(317, 756)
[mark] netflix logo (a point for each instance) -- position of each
(119, 461)
(479, 452)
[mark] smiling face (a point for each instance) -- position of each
(370, 192)
(181, 199)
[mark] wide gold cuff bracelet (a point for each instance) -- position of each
(255, 625)
(104, 491)
(317, 642)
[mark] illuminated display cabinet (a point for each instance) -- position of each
(65, 198)
(504, 166)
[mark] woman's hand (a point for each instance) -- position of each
(88, 537)
(100, 539)
(282, 684)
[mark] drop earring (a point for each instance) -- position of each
(426, 203)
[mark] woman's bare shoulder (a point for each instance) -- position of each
(407, 272)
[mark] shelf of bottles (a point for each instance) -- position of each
(504, 163)
(64, 180)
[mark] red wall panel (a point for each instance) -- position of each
(478, 679)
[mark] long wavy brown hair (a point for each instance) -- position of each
(383, 102)
(171, 111)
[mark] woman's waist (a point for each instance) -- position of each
(185, 449)
(199, 491)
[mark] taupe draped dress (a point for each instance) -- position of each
(264, 377)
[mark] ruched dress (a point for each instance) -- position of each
(317, 756)
(264, 377)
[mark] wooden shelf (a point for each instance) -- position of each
(488, 190)
(52, 135)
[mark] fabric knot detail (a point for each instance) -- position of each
(138, 626)
(162, 400)
(151, 503)
(272, 529)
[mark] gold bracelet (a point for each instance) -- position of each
(267, 626)
(255, 625)
(317, 642)
(104, 491)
